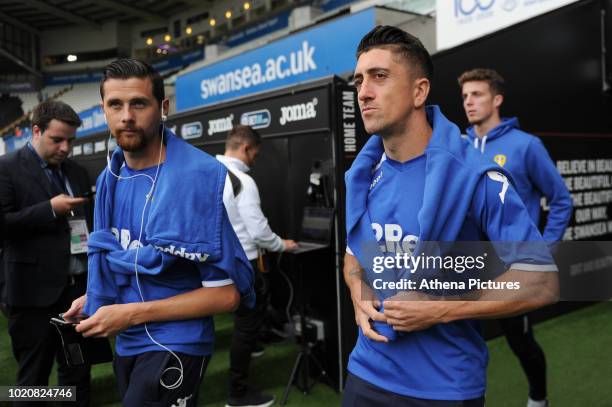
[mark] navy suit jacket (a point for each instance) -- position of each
(36, 244)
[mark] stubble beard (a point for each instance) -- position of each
(134, 143)
(375, 127)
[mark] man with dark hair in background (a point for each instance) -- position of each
(243, 205)
(40, 199)
(159, 267)
(535, 176)
(415, 181)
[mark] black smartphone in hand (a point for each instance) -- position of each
(70, 320)
(77, 349)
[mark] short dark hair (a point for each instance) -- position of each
(242, 134)
(126, 68)
(48, 110)
(397, 40)
(493, 78)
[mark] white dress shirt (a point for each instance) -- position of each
(244, 211)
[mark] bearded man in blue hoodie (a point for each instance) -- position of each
(535, 176)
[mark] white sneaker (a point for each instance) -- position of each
(538, 403)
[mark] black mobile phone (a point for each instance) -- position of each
(88, 194)
(79, 350)
(71, 320)
(71, 341)
(60, 322)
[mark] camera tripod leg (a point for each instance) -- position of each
(319, 366)
(296, 365)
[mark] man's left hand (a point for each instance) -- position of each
(108, 321)
(413, 311)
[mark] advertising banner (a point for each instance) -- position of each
(460, 21)
(323, 50)
(585, 255)
(585, 163)
(300, 112)
(277, 22)
(93, 122)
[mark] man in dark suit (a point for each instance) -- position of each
(44, 266)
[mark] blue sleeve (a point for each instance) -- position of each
(544, 175)
(502, 216)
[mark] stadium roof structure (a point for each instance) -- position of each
(37, 16)
(41, 15)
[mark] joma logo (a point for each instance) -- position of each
(301, 111)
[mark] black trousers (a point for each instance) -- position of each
(359, 393)
(247, 324)
(519, 334)
(139, 379)
(36, 344)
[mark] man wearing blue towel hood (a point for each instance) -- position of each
(163, 257)
(415, 187)
(535, 175)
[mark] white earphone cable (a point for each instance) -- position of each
(148, 198)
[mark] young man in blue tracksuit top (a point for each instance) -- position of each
(535, 176)
(415, 181)
(163, 257)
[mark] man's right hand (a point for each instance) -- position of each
(365, 304)
(62, 203)
(366, 310)
(290, 244)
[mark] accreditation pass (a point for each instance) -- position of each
(79, 235)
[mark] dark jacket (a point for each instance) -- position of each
(36, 245)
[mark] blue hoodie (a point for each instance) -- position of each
(453, 169)
(184, 237)
(533, 172)
(450, 193)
